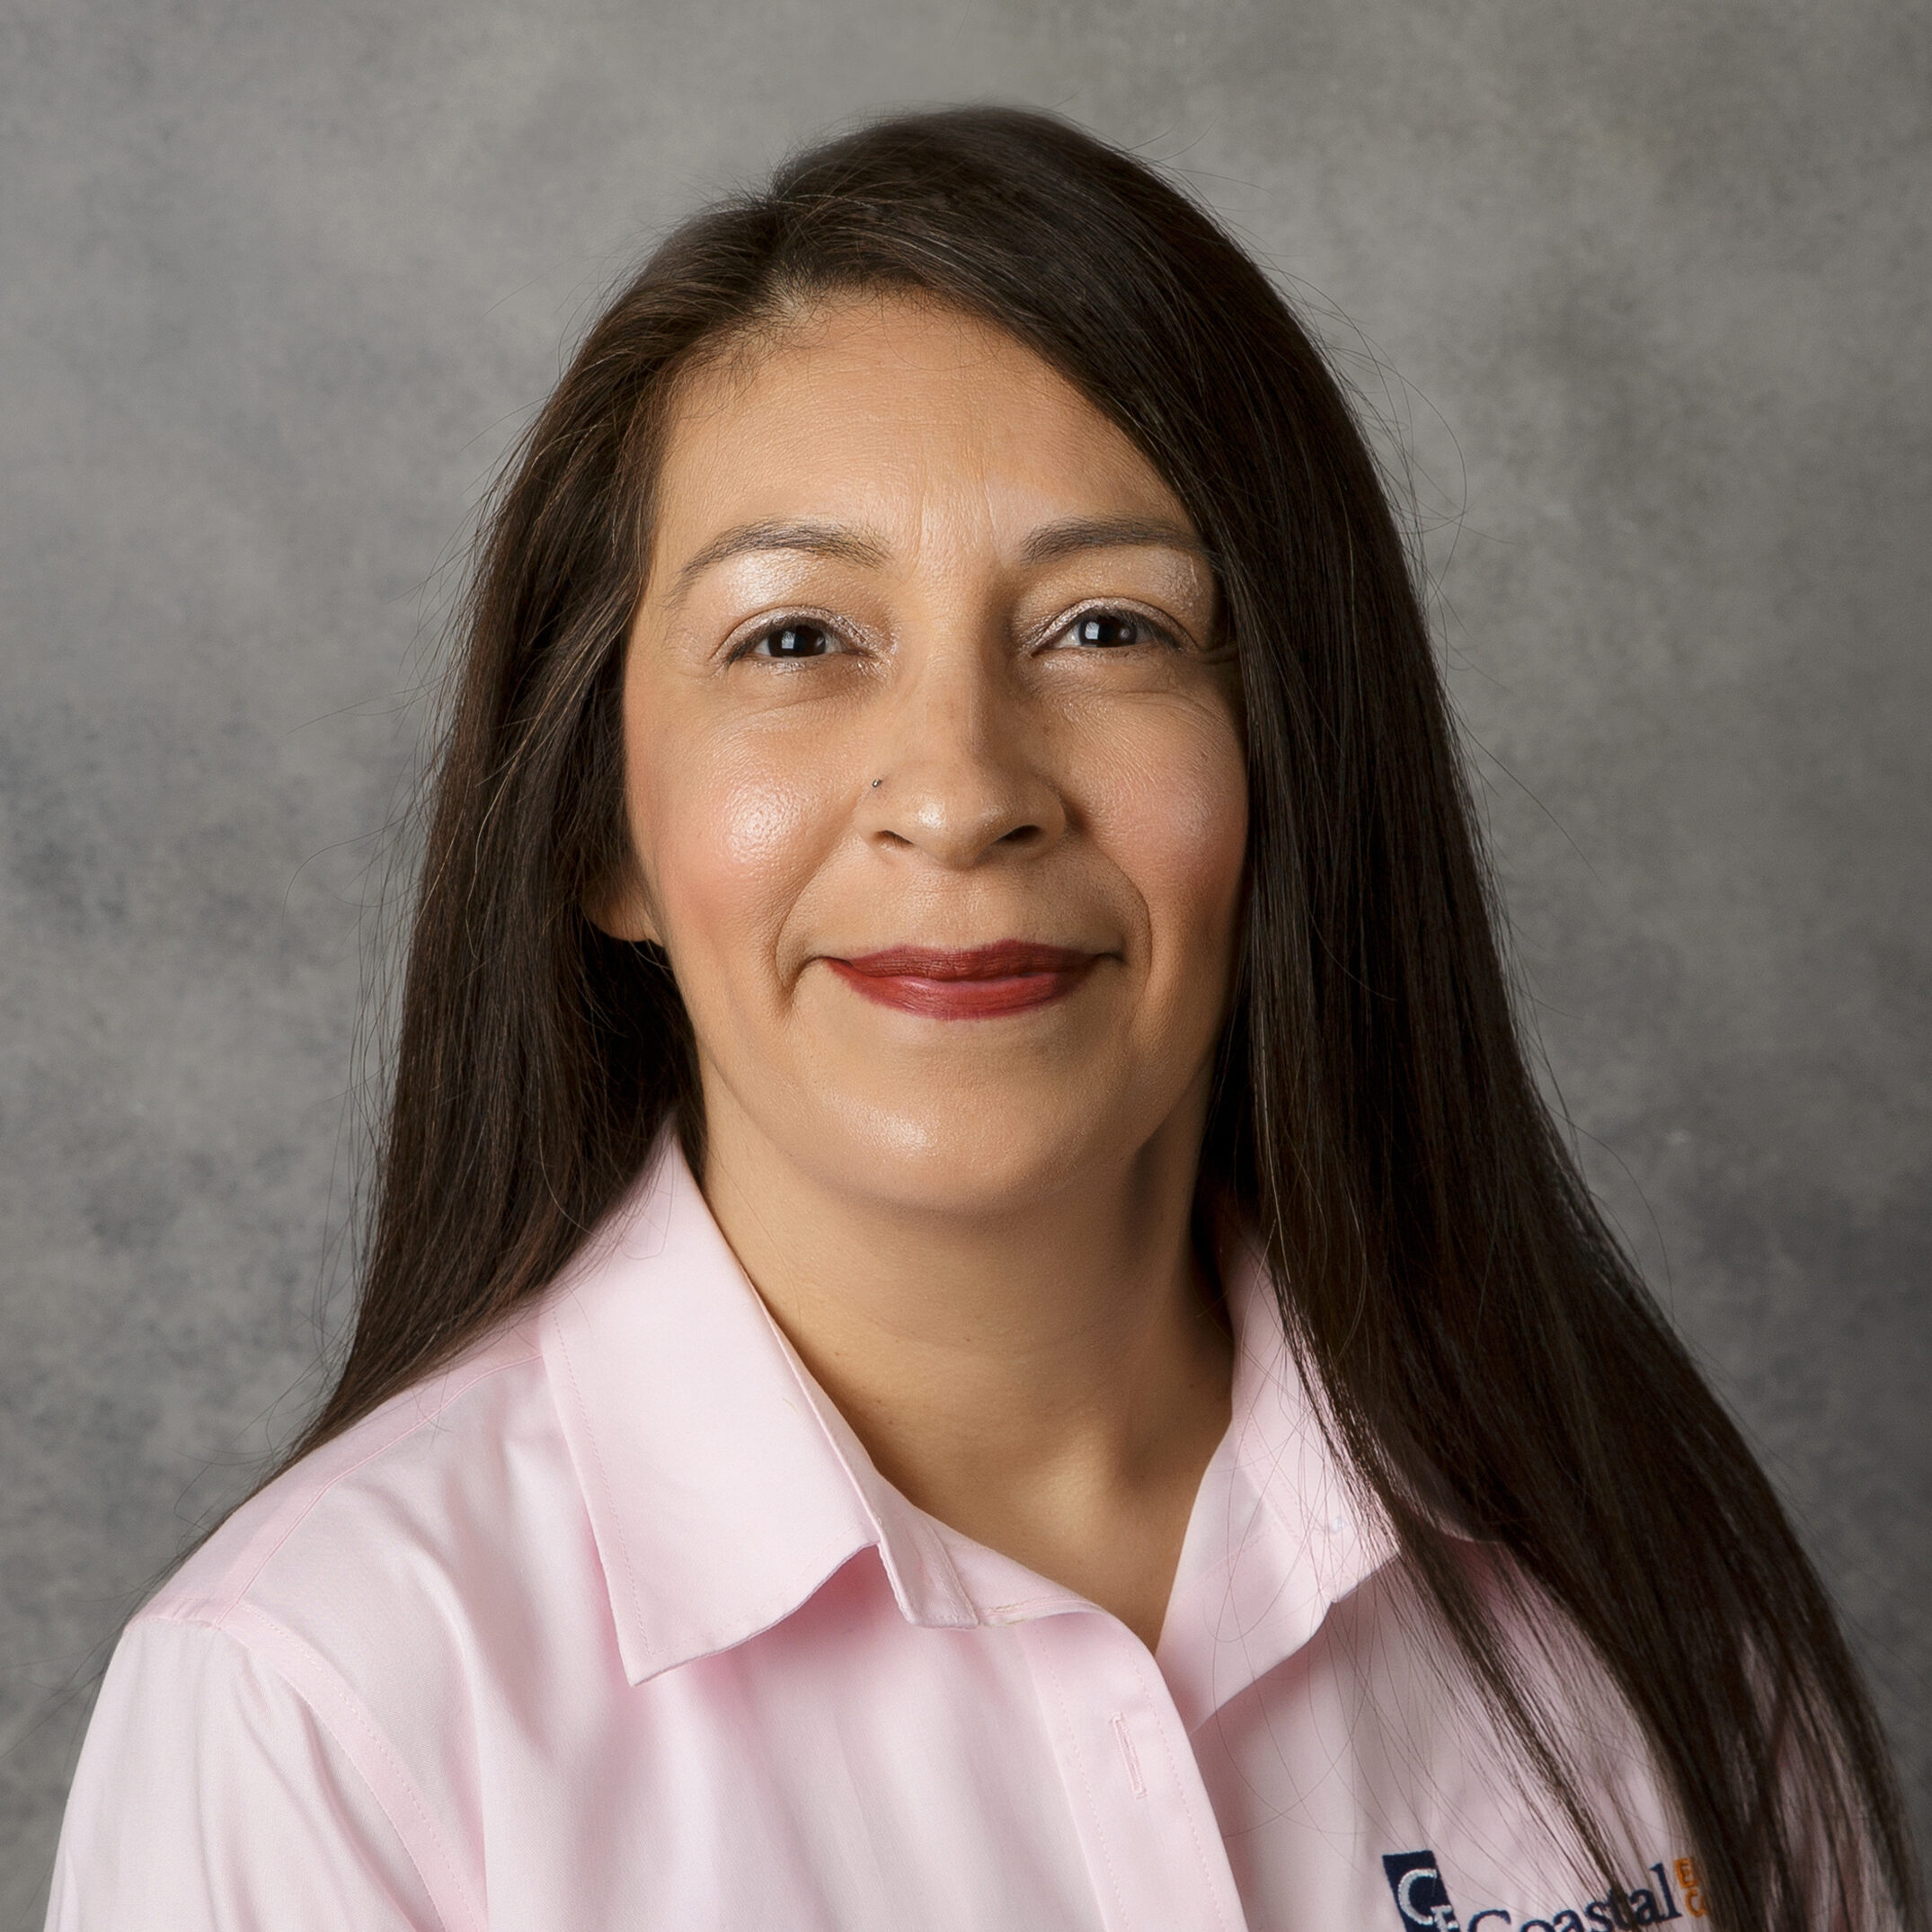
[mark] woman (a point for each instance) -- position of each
(974, 1320)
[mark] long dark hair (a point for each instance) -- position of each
(1491, 1362)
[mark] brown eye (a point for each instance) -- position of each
(1112, 629)
(792, 640)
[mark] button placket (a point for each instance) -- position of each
(1146, 1824)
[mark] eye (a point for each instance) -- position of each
(1113, 630)
(792, 639)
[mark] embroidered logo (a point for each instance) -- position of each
(1422, 1899)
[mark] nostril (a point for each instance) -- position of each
(1020, 835)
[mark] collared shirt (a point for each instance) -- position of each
(614, 1624)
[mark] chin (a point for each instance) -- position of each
(975, 1161)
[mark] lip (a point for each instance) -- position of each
(978, 983)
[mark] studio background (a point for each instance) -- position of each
(1642, 287)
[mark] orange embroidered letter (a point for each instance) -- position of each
(1687, 1876)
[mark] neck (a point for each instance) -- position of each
(1050, 1378)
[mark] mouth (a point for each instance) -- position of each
(982, 983)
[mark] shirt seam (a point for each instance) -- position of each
(882, 1539)
(378, 1741)
(610, 1511)
(1030, 1609)
(1193, 1829)
(1122, 1917)
(218, 1605)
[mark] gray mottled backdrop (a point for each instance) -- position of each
(1646, 283)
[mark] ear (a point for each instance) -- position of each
(621, 906)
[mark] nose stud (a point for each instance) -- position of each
(877, 783)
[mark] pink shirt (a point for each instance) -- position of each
(613, 1624)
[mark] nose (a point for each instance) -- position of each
(958, 761)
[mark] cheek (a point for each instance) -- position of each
(1174, 811)
(728, 836)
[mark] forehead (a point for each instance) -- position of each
(893, 412)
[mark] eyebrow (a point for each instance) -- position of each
(1111, 533)
(835, 540)
(813, 539)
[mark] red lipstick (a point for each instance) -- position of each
(983, 983)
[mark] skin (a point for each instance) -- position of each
(878, 530)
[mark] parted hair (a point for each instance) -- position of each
(1492, 1366)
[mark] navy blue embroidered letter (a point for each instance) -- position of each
(1420, 1897)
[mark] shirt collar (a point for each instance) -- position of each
(724, 1487)
(722, 1490)
(1279, 1533)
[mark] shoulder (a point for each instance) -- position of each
(383, 1574)
(303, 1682)
(200, 1757)
(1389, 1637)
(421, 1483)
(347, 1636)
(1444, 1758)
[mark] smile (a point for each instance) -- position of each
(984, 983)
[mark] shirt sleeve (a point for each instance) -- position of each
(209, 1797)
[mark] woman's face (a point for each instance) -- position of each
(934, 766)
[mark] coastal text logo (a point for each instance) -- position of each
(1422, 1899)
